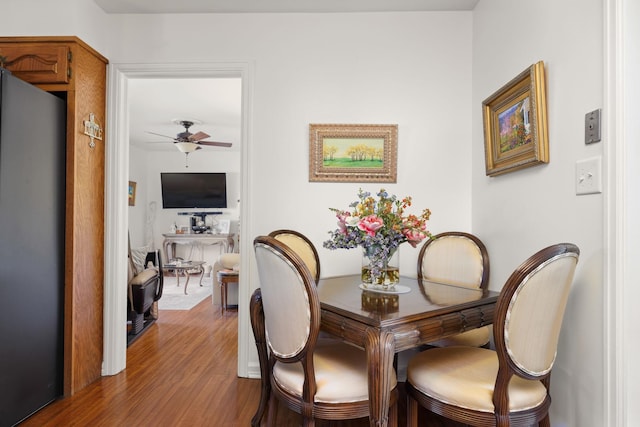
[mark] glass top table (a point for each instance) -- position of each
(182, 268)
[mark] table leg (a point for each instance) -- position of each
(187, 282)
(222, 292)
(380, 348)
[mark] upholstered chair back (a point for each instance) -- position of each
(455, 257)
(289, 299)
(459, 259)
(316, 378)
(302, 246)
(535, 302)
(511, 385)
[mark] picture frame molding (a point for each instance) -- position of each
(319, 172)
(529, 84)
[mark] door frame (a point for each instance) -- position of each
(116, 202)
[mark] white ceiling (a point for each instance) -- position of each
(280, 6)
(214, 104)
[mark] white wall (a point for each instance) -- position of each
(518, 213)
(82, 18)
(138, 213)
(147, 166)
(337, 68)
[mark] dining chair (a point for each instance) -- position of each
(461, 259)
(508, 386)
(302, 246)
(319, 379)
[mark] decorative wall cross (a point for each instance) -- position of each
(92, 129)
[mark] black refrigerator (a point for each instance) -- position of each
(32, 206)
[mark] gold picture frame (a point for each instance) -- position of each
(353, 153)
(515, 123)
(132, 193)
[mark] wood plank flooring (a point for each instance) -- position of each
(181, 372)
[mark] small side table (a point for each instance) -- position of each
(224, 278)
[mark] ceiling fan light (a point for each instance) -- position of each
(187, 147)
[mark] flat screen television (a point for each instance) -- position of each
(193, 190)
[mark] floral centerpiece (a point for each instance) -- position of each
(379, 226)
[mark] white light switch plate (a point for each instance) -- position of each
(589, 176)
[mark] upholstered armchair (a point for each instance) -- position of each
(460, 259)
(302, 246)
(319, 379)
(509, 386)
(144, 289)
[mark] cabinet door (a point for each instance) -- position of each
(37, 64)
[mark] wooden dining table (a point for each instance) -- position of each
(384, 324)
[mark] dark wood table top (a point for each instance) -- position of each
(429, 311)
(342, 294)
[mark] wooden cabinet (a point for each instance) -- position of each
(41, 64)
(70, 68)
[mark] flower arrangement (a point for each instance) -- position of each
(379, 227)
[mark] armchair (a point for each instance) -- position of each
(508, 386)
(144, 289)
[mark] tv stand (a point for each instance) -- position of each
(200, 214)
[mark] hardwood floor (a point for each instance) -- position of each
(181, 372)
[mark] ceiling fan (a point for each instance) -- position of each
(188, 142)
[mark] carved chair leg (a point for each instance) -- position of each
(412, 412)
(393, 415)
(257, 324)
(272, 413)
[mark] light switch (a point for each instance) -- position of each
(592, 127)
(589, 176)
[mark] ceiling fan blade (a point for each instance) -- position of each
(198, 136)
(216, 144)
(164, 136)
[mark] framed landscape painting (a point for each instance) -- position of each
(353, 153)
(515, 123)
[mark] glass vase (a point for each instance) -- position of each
(380, 267)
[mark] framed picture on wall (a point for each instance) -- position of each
(515, 123)
(223, 226)
(353, 153)
(132, 193)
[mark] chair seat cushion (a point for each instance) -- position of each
(228, 272)
(341, 373)
(465, 377)
(474, 338)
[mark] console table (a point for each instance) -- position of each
(171, 240)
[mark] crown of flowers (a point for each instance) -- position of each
(378, 223)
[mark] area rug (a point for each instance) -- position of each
(173, 297)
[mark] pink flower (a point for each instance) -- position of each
(414, 236)
(342, 221)
(371, 224)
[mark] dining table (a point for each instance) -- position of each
(385, 322)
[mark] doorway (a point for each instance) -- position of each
(117, 173)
